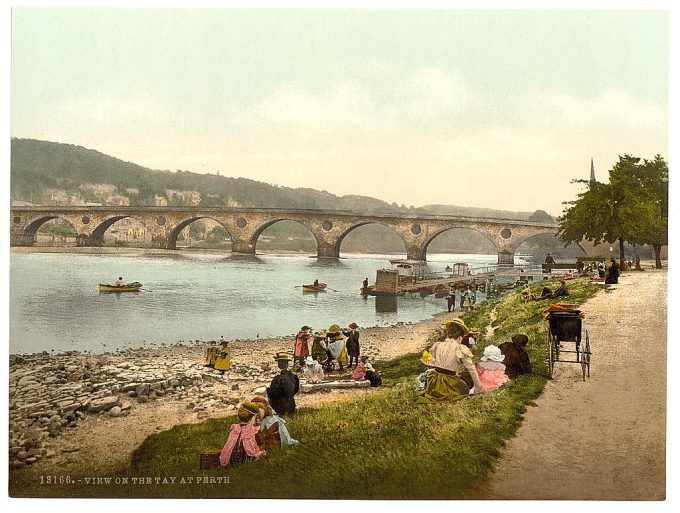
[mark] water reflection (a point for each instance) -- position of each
(385, 304)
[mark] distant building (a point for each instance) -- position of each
(75, 201)
(92, 204)
(231, 202)
(132, 190)
(101, 190)
(20, 203)
(117, 200)
(55, 197)
(189, 198)
(159, 201)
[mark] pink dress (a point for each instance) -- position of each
(491, 375)
(247, 433)
(359, 372)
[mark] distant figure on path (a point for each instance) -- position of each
(120, 282)
(549, 262)
(613, 273)
(281, 392)
(516, 357)
(364, 283)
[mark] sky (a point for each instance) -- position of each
(483, 108)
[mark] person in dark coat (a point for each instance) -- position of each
(372, 376)
(612, 273)
(281, 392)
(516, 358)
(352, 344)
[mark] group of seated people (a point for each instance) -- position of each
(453, 375)
(546, 293)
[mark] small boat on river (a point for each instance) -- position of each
(128, 287)
(314, 287)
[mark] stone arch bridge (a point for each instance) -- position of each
(245, 225)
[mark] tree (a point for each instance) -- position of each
(648, 185)
(630, 208)
(541, 216)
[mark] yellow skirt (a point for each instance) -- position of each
(441, 387)
(223, 362)
(343, 355)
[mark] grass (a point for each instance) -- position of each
(376, 446)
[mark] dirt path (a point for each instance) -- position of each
(605, 438)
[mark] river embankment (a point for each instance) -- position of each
(87, 413)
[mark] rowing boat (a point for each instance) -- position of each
(320, 287)
(128, 287)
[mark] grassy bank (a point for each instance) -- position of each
(380, 445)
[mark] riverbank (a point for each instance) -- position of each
(68, 410)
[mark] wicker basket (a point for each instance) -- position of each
(210, 458)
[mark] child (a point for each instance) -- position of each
(359, 373)
(490, 369)
(273, 428)
(241, 445)
(211, 353)
(223, 361)
(352, 344)
(313, 370)
(373, 376)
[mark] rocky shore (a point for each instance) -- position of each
(57, 403)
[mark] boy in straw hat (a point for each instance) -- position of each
(449, 358)
(281, 392)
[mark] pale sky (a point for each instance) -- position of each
(484, 108)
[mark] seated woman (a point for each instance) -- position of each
(449, 357)
(516, 357)
(612, 273)
(273, 429)
(312, 370)
(211, 354)
(490, 369)
(241, 445)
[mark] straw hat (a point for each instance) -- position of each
(353, 326)
(282, 355)
(492, 353)
(474, 331)
(305, 328)
(458, 322)
(333, 329)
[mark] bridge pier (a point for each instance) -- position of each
(327, 250)
(242, 246)
(506, 258)
(21, 239)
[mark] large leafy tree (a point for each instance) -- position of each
(630, 208)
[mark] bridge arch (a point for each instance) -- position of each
(559, 243)
(30, 230)
(435, 234)
(338, 241)
(271, 222)
(176, 230)
(96, 238)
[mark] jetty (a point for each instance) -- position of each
(409, 276)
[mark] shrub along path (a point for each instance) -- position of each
(602, 439)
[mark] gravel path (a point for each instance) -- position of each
(603, 439)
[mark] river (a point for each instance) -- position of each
(55, 304)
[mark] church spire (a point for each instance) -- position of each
(592, 171)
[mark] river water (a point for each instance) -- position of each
(55, 304)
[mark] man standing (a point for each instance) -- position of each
(281, 392)
(549, 261)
